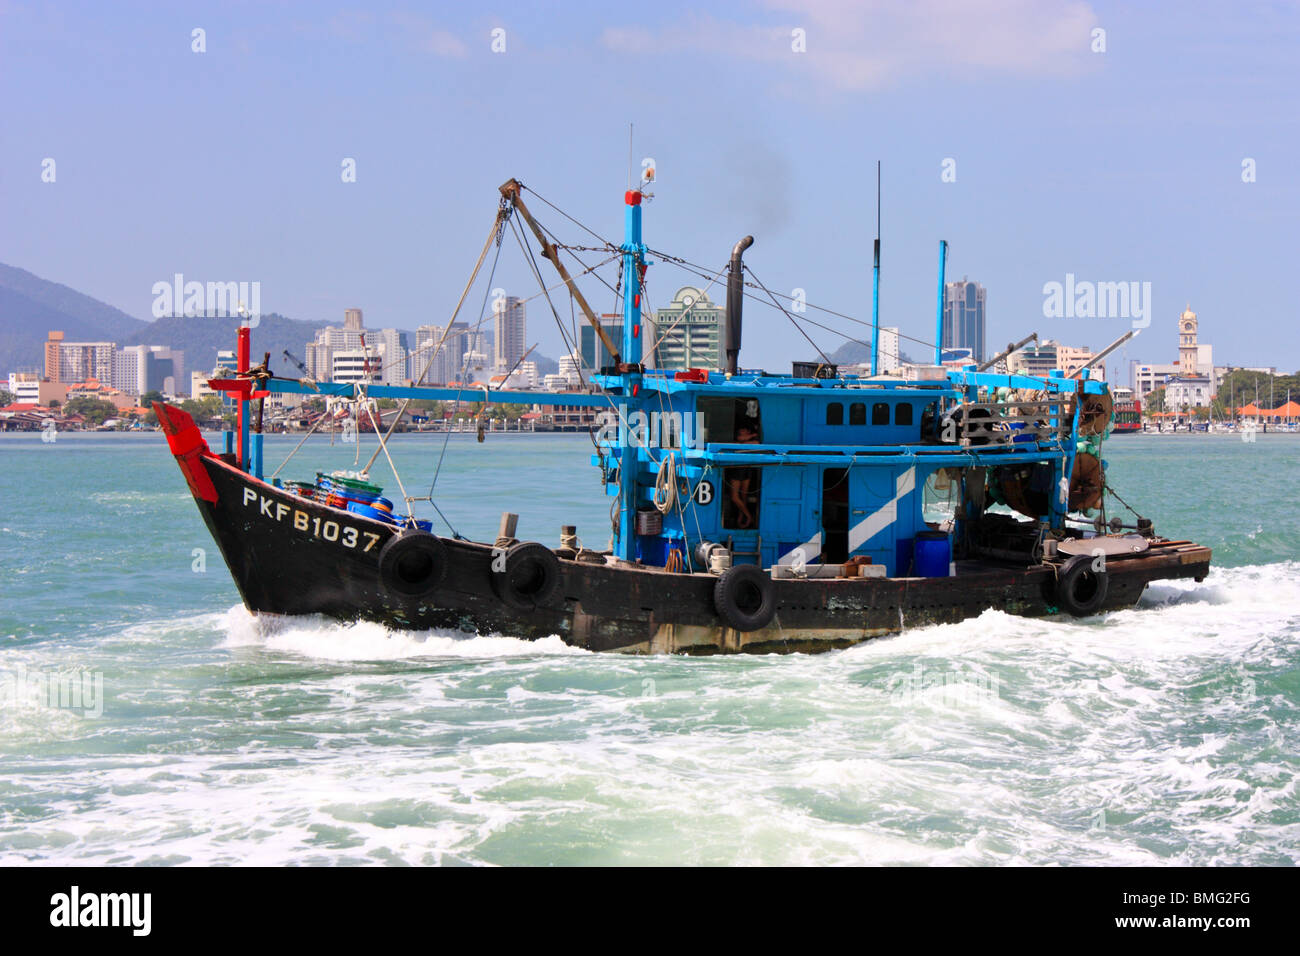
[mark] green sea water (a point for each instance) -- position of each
(1166, 734)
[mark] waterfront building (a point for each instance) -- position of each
(963, 317)
(1042, 357)
(1187, 351)
(93, 389)
(1188, 391)
(25, 387)
(688, 332)
(1147, 378)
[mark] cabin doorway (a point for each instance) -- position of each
(835, 515)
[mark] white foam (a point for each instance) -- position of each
(320, 637)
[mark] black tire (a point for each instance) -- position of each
(412, 564)
(530, 578)
(745, 598)
(1079, 589)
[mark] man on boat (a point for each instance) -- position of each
(741, 481)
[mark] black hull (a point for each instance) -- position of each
(291, 555)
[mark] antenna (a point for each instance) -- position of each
(630, 154)
(875, 285)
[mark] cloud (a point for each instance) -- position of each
(427, 37)
(857, 45)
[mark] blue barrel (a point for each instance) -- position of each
(932, 554)
(369, 512)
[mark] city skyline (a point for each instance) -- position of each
(1204, 155)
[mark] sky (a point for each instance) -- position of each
(1163, 150)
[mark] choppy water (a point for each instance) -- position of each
(1165, 734)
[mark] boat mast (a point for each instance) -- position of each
(875, 285)
(938, 309)
(512, 191)
(634, 266)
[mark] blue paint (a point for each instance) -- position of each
(881, 433)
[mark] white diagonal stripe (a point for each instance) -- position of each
(885, 515)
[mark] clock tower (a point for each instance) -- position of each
(1187, 342)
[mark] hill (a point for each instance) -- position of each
(202, 338)
(30, 306)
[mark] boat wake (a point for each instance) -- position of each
(319, 637)
(1157, 735)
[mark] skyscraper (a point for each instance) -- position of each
(354, 335)
(510, 326)
(444, 364)
(963, 317)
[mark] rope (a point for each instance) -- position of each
(383, 444)
(493, 233)
(665, 494)
(315, 425)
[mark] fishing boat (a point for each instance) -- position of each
(1128, 411)
(750, 510)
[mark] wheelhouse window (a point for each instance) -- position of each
(725, 417)
(880, 413)
(903, 413)
(835, 414)
(857, 414)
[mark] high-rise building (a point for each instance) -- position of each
(887, 351)
(354, 336)
(963, 317)
(443, 364)
(592, 350)
(71, 362)
(509, 326)
(53, 342)
(394, 343)
(688, 332)
(146, 368)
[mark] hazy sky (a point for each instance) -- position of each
(1122, 165)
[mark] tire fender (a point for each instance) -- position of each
(1080, 589)
(745, 598)
(530, 577)
(412, 564)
